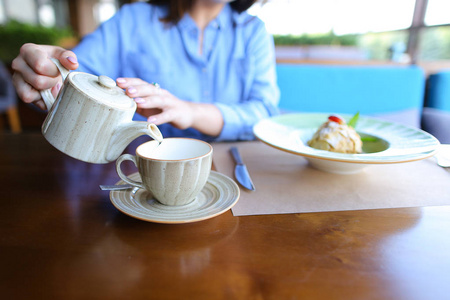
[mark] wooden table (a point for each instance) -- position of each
(61, 238)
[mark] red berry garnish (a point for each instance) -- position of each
(336, 119)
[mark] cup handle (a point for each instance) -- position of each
(47, 94)
(124, 177)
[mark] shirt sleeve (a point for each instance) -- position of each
(263, 97)
(99, 52)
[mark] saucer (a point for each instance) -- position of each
(219, 195)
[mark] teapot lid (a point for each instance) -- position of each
(103, 89)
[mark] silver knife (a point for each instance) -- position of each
(240, 171)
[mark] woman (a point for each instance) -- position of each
(213, 63)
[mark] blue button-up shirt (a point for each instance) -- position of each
(236, 70)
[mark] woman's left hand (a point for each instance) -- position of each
(157, 104)
(160, 107)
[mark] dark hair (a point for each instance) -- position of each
(177, 8)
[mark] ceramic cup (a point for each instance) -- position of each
(174, 171)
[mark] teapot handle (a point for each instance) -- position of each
(47, 94)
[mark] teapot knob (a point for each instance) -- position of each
(106, 81)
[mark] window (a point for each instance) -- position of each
(340, 16)
(384, 27)
(2, 13)
(104, 10)
(46, 13)
(437, 12)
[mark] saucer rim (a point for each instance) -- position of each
(221, 177)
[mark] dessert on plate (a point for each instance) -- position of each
(337, 136)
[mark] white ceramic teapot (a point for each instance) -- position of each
(91, 118)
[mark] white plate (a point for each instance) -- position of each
(395, 143)
(219, 195)
(443, 155)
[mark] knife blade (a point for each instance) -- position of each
(240, 170)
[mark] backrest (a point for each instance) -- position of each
(394, 93)
(7, 92)
(436, 113)
(438, 91)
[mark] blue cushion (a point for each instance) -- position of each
(371, 90)
(436, 114)
(8, 96)
(438, 91)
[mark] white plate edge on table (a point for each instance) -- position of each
(443, 155)
(290, 133)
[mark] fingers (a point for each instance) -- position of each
(34, 71)
(155, 116)
(165, 116)
(127, 82)
(25, 91)
(37, 58)
(28, 84)
(154, 102)
(31, 77)
(137, 88)
(29, 94)
(40, 104)
(66, 57)
(157, 104)
(172, 110)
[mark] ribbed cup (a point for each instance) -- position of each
(174, 171)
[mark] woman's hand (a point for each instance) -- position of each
(160, 106)
(34, 71)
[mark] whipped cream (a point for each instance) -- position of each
(335, 137)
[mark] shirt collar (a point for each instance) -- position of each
(186, 22)
(226, 18)
(223, 19)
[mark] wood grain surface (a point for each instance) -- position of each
(61, 238)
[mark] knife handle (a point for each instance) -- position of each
(236, 156)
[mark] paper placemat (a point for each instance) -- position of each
(285, 183)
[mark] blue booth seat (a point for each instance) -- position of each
(394, 93)
(436, 113)
(8, 100)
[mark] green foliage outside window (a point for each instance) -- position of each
(316, 39)
(14, 34)
(434, 43)
(377, 44)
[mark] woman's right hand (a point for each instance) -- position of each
(34, 71)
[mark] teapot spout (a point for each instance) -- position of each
(154, 132)
(126, 133)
